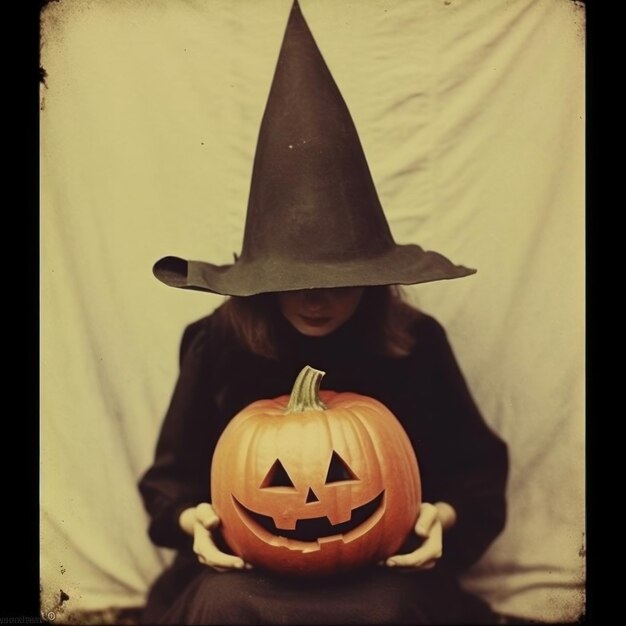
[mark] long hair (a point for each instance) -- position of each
(382, 318)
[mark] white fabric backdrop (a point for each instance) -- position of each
(471, 114)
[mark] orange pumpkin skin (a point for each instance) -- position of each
(357, 435)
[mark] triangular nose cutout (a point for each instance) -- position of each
(311, 497)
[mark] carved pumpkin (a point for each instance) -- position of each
(316, 482)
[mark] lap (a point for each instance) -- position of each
(375, 595)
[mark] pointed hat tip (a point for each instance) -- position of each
(295, 8)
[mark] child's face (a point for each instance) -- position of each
(318, 312)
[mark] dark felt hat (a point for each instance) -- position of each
(314, 218)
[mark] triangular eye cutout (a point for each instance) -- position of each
(277, 477)
(339, 470)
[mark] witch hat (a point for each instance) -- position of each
(314, 219)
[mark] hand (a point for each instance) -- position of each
(432, 520)
(199, 521)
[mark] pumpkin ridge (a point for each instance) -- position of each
(354, 400)
(348, 425)
(399, 441)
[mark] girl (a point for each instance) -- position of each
(315, 285)
(370, 342)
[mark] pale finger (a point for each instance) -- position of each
(207, 516)
(205, 548)
(221, 561)
(430, 550)
(427, 517)
(218, 568)
(202, 560)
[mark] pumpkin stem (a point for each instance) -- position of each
(305, 395)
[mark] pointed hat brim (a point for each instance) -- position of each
(402, 265)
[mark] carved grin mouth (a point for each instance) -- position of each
(317, 527)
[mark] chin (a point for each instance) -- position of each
(315, 332)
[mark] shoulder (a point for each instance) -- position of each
(418, 322)
(427, 331)
(425, 324)
(206, 333)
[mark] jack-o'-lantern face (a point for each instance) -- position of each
(342, 508)
(330, 484)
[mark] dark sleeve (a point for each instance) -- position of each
(179, 476)
(466, 463)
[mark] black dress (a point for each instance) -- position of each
(461, 462)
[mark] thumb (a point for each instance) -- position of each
(426, 519)
(207, 516)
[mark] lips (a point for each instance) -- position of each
(315, 321)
